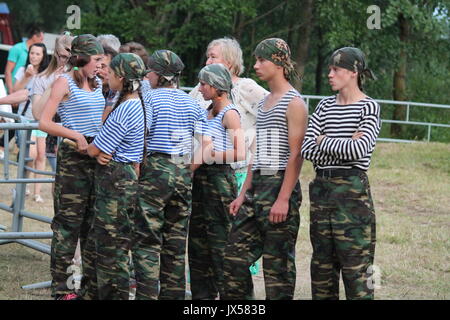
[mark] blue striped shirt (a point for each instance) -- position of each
(218, 133)
(145, 86)
(173, 118)
(122, 134)
(83, 110)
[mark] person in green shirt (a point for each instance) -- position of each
(18, 54)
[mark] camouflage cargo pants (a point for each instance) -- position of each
(252, 235)
(115, 204)
(164, 208)
(342, 231)
(73, 205)
(214, 188)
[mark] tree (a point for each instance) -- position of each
(50, 15)
(410, 53)
(414, 22)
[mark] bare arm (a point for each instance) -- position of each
(202, 153)
(28, 73)
(8, 75)
(297, 119)
(94, 152)
(106, 112)
(206, 153)
(41, 93)
(232, 124)
(39, 102)
(237, 203)
(59, 90)
(15, 97)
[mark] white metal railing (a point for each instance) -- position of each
(407, 121)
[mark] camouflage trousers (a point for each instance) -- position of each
(342, 231)
(253, 236)
(73, 205)
(116, 200)
(214, 188)
(165, 198)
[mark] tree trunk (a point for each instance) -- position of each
(399, 91)
(303, 40)
(238, 26)
(320, 62)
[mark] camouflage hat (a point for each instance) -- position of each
(86, 45)
(277, 51)
(352, 59)
(129, 66)
(217, 76)
(165, 63)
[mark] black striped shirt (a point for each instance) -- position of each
(339, 123)
(272, 144)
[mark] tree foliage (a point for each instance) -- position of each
(313, 28)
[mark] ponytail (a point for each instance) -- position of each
(76, 62)
(144, 160)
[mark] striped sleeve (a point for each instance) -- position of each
(200, 126)
(349, 149)
(310, 149)
(112, 132)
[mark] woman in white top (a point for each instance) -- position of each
(37, 61)
(42, 87)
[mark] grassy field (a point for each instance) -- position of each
(410, 185)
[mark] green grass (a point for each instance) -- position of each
(410, 185)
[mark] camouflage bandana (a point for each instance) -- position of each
(277, 51)
(166, 64)
(86, 45)
(217, 76)
(352, 59)
(129, 66)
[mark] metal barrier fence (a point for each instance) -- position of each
(407, 121)
(17, 207)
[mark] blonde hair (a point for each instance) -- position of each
(109, 40)
(63, 42)
(231, 53)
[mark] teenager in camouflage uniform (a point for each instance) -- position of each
(121, 139)
(214, 185)
(78, 97)
(270, 227)
(165, 184)
(340, 140)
